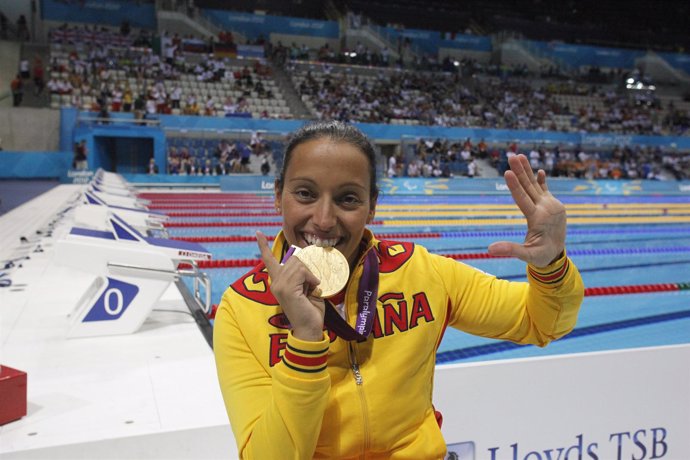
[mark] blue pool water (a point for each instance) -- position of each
(607, 255)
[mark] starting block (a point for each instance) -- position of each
(124, 199)
(95, 213)
(112, 179)
(112, 184)
(118, 200)
(132, 273)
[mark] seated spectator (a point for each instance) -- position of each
(152, 167)
(117, 97)
(210, 106)
(265, 165)
(392, 166)
(472, 168)
(191, 106)
(229, 107)
(38, 74)
(257, 143)
(413, 169)
(80, 160)
(127, 99)
(17, 87)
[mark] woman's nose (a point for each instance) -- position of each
(324, 215)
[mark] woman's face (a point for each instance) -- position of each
(325, 198)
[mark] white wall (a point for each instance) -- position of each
(609, 405)
(9, 56)
(14, 8)
(29, 129)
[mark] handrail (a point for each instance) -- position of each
(118, 120)
(158, 226)
(199, 277)
(384, 36)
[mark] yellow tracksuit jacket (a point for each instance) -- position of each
(288, 398)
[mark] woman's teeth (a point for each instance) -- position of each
(316, 241)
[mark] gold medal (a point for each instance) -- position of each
(329, 265)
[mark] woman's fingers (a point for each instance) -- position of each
(520, 166)
(523, 200)
(541, 180)
(266, 255)
(299, 274)
(509, 249)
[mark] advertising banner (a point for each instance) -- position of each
(110, 12)
(629, 404)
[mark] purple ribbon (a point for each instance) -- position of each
(367, 293)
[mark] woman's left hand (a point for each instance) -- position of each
(545, 239)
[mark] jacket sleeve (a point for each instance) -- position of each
(274, 413)
(537, 312)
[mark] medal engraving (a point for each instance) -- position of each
(329, 265)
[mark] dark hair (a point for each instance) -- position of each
(336, 131)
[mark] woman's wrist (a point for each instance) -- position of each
(308, 334)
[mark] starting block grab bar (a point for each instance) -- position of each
(198, 277)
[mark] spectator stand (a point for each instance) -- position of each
(88, 68)
(422, 157)
(441, 98)
(119, 142)
(425, 157)
(213, 152)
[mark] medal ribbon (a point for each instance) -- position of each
(367, 293)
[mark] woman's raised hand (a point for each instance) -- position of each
(292, 284)
(546, 228)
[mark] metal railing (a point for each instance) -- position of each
(117, 120)
(177, 274)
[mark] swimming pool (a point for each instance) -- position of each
(641, 242)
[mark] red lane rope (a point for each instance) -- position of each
(201, 198)
(196, 196)
(225, 263)
(602, 290)
(223, 214)
(214, 207)
(234, 224)
(220, 239)
(222, 224)
(244, 239)
(636, 289)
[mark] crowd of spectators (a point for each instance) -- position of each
(438, 158)
(218, 157)
(445, 158)
(461, 93)
(449, 99)
(105, 68)
(117, 70)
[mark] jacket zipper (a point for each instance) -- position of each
(362, 399)
(354, 364)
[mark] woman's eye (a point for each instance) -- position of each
(350, 200)
(303, 194)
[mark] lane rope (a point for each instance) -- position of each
(225, 263)
(602, 291)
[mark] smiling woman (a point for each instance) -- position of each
(324, 198)
(322, 380)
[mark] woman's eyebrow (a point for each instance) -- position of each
(312, 181)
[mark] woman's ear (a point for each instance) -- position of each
(372, 210)
(278, 196)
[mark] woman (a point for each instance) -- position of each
(295, 391)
